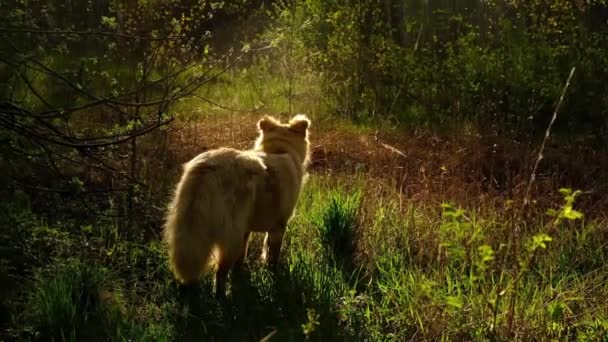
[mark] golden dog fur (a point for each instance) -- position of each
(225, 194)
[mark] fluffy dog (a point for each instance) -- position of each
(225, 194)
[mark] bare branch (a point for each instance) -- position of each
(213, 103)
(15, 30)
(33, 133)
(547, 133)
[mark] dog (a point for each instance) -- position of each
(225, 194)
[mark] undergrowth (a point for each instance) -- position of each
(355, 266)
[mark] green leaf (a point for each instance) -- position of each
(556, 310)
(538, 241)
(486, 253)
(109, 22)
(571, 214)
(454, 301)
(551, 212)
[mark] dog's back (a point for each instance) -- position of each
(276, 196)
(212, 204)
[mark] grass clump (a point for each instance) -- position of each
(74, 301)
(338, 223)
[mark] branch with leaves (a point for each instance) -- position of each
(33, 120)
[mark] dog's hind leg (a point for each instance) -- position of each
(229, 255)
(272, 246)
(240, 262)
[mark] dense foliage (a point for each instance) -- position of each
(101, 101)
(491, 62)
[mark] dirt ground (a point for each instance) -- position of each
(470, 169)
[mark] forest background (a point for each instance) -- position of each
(458, 179)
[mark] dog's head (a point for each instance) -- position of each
(292, 138)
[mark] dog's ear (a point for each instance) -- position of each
(299, 123)
(267, 123)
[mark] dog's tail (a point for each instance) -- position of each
(186, 231)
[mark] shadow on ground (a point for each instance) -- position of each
(260, 304)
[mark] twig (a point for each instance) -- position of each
(269, 336)
(30, 132)
(515, 227)
(418, 38)
(87, 33)
(390, 109)
(547, 133)
(213, 103)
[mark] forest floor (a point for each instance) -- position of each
(398, 235)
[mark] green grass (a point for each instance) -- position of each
(258, 88)
(72, 301)
(354, 267)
